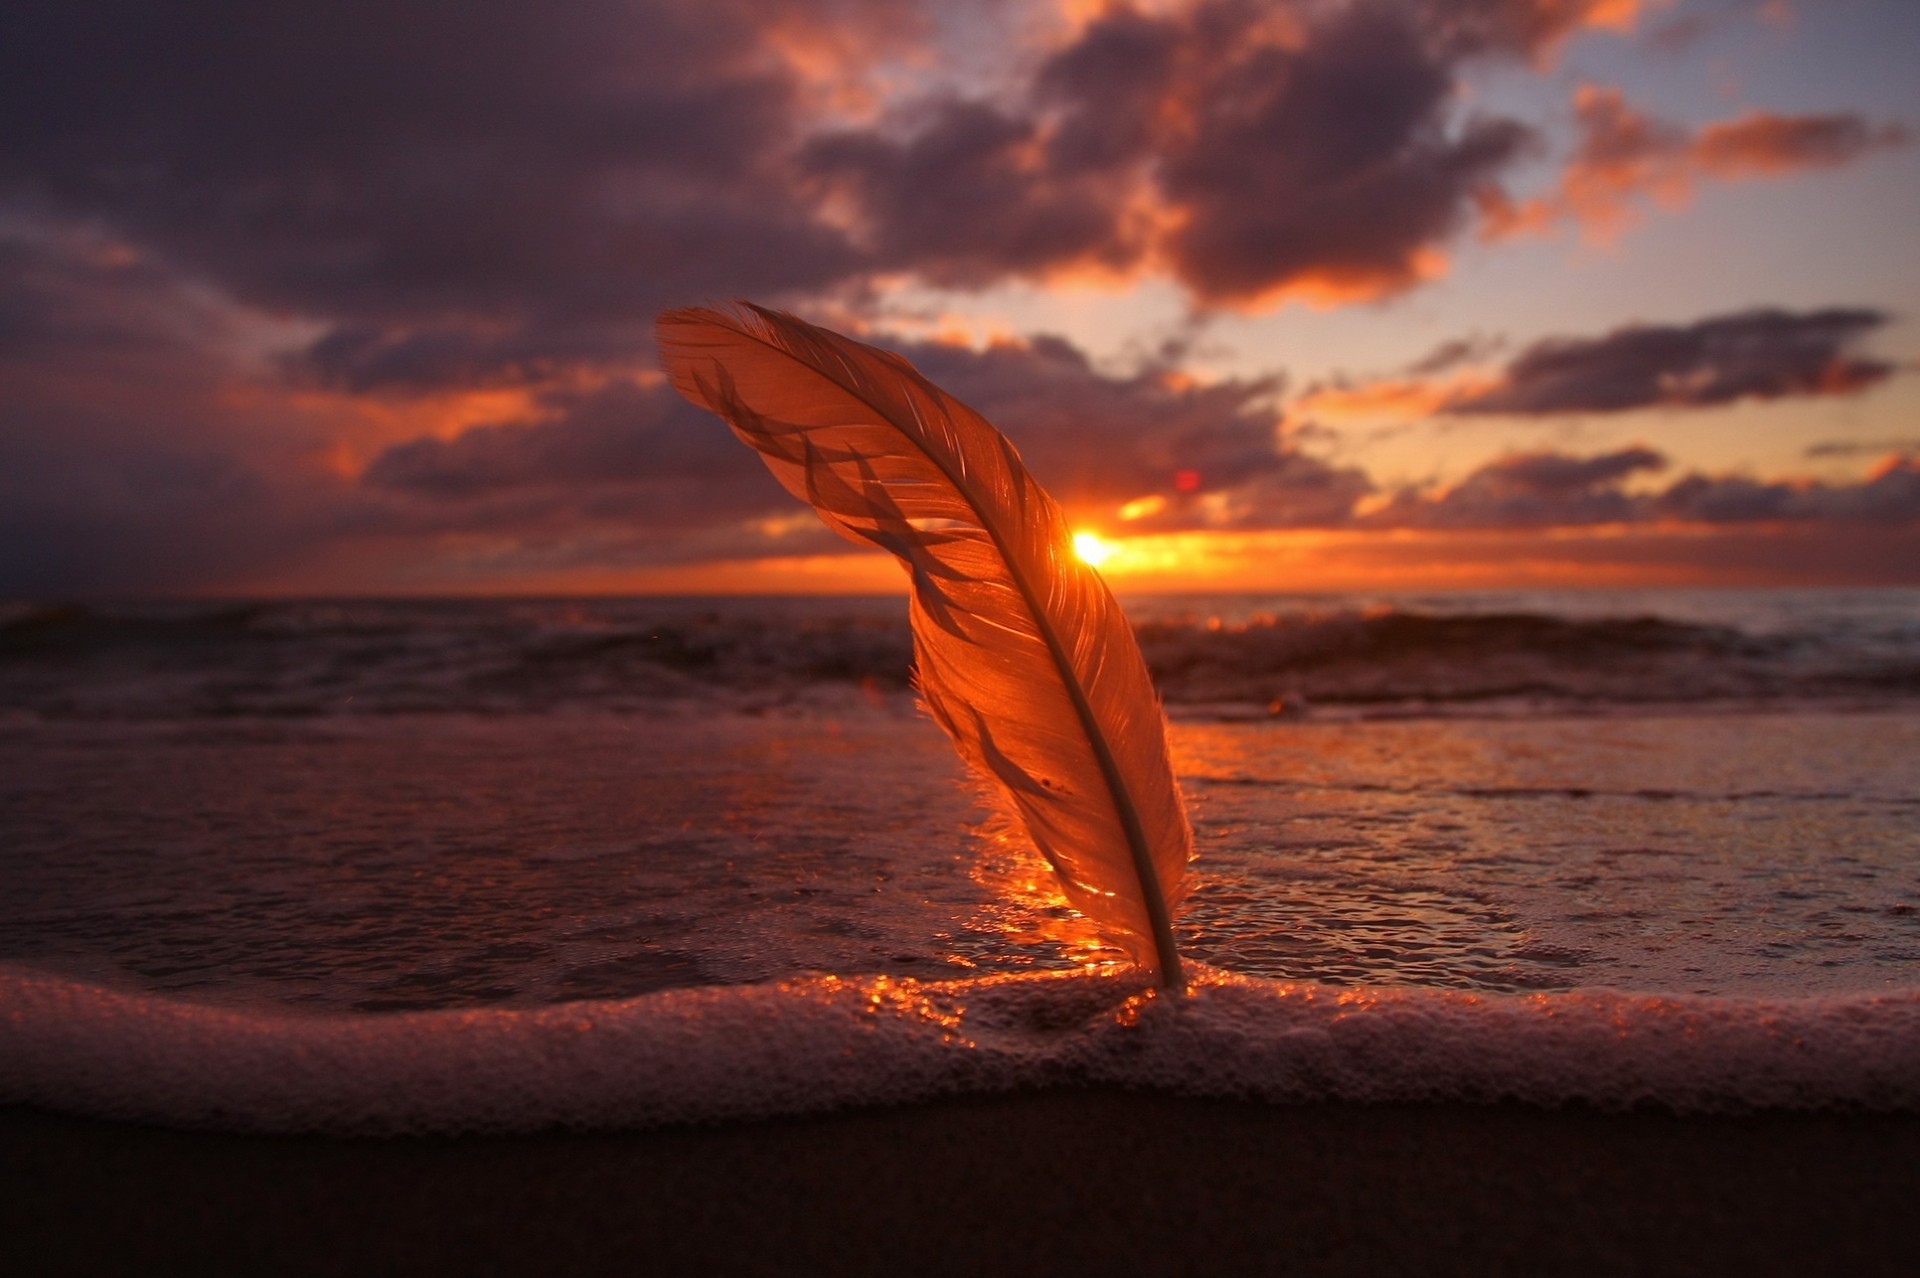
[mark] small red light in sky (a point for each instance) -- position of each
(1187, 481)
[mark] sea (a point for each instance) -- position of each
(515, 864)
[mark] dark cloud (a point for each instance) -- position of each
(1255, 150)
(1891, 495)
(482, 164)
(362, 358)
(1110, 85)
(1553, 490)
(640, 455)
(1181, 455)
(1097, 440)
(1761, 354)
(1301, 491)
(1556, 475)
(1329, 166)
(158, 476)
(1100, 439)
(617, 435)
(1528, 490)
(966, 199)
(493, 192)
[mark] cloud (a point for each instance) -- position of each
(1097, 440)
(491, 167)
(1625, 156)
(489, 192)
(497, 193)
(1555, 490)
(1890, 495)
(1150, 450)
(199, 471)
(373, 285)
(1763, 144)
(1527, 490)
(1760, 354)
(163, 472)
(1723, 359)
(967, 199)
(1328, 169)
(621, 434)
(375, 358)
(1256, 152)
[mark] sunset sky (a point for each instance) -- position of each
(358, 297)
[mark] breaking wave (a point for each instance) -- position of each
(1341, 656)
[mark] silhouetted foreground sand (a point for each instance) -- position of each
(1075, 1183)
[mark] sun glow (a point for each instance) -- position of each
(1092, 548)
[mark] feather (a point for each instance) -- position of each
(1024, 657)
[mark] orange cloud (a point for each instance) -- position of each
(1327, 287)
(1402, 399)
(361, 427)
(1762, 144)
(1626, 156)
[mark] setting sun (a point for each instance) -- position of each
(1092, 548)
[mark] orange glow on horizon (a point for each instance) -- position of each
(1301, 560)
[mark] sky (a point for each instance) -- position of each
(358, 298)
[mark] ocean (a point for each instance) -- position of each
(337, 865)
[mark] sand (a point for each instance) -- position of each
(1075, 1182)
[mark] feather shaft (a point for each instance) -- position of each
(1024, 657)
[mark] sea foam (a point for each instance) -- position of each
(823, 1043)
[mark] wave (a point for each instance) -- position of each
(824, 1043)
(1408, 661)
(1342, 657)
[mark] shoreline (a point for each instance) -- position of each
(1064, 1181)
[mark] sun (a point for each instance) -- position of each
(1092, 548)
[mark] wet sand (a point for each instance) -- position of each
(1071, 1182)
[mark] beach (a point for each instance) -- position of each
(656, 937)
(1093, 1181)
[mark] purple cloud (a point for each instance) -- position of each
(1761, 354)
(1322, 154)
(1554, 490)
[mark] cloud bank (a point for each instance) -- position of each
(372, 287)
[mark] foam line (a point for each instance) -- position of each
(824, 1043)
